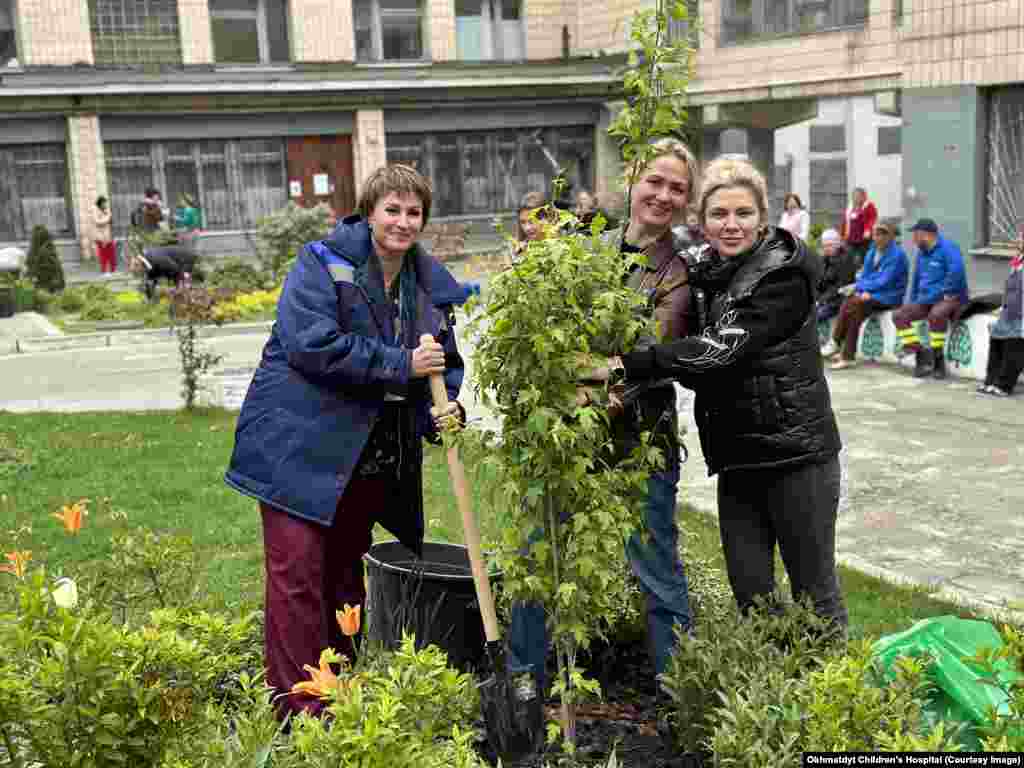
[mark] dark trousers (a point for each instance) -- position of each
(858, 251)
(794, 508)
(1005, 363)
(311, 572)
(938, 315)
(852, 315)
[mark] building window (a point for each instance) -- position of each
(134, 32)
(1005, 164)
(249, 31)
(8, 35)
(235, 182)
(489, 29)
(828, 191)
(485, 172)
(33, 190)
(689, 29)
(890, 141)
(744, 20)
(389, 30)
(828, 138)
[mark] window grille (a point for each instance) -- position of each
(135, 32)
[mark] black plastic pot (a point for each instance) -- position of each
(7, 301)
(432, 598)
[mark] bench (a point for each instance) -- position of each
(966, 342)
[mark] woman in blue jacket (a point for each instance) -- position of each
(881, 286)
(329, 437)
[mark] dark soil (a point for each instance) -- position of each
(626, 718)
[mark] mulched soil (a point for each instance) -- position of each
(625, 718)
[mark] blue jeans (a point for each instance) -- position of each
(658, 568)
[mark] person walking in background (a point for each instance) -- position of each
(858, 224)
(188, 221)
(937, 291)
(151, 210)
(838, 272)
(329, 438)
(1006, 339)
(882, 285)
(763, 408)
(106, 248)
(794, 218)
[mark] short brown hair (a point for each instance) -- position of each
(403, 179)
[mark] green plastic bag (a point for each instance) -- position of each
(963, 696)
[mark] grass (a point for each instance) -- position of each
(164, 471)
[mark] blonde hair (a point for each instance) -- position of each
(678, 150)
(529, 202)
(403, 179)
(729, 172)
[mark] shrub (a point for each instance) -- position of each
(31, 298)
(236, 276)
(732, 654)
(281, 234)
(42, 266)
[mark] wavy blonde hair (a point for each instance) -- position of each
(729, 172)
(678, 150)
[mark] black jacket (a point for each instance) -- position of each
(762, 399)
(837, 271)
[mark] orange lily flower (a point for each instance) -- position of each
(71, 516)
(348, 619)
(323, 680)
(17, 563)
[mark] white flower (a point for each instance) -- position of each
(66, 593)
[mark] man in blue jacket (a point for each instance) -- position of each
(937, 291)
(881, 286)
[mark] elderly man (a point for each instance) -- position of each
(881, 286)
(937, 291)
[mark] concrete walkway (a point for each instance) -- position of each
(933, 488)
(932, 494)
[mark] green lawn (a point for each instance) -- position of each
(164, 471)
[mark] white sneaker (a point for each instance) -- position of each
(829, 349)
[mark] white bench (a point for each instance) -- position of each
(966, 342)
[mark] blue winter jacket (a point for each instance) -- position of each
(938, 273)
(331, 359)
(885, 278)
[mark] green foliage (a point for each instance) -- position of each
(191, 307)
(76, 690)
(236, 276)
(31, 298)
(282, 233)
(1005, 730)
(403, 709)
(42, 265)
(145, 570)
(737, 656)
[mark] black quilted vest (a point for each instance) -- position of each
(776, 410)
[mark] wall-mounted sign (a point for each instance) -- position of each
(295, 188)
(321, 185)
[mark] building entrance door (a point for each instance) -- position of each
(320, 170)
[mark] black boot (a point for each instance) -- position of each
(925, 363)
(940, 365)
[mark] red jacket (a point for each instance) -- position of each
(859, 223)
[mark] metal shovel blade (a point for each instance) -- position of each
(513, 713)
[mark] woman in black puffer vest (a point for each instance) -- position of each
(762, 404)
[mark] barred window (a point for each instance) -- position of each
(234, 182)
(890, 139)
(8, 35)
(483, 172)
(1005, 164)
(135, 32)
(745, 20)
(33, 190)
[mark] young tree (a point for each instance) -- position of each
(565, 301)
(42, 265)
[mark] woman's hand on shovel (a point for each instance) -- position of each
(450, 418)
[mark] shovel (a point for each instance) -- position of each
(511, 704)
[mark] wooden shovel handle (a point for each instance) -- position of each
(470, 530)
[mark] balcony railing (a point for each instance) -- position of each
(750, 20)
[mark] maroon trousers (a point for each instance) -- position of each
(852, 315)
(311, 571)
